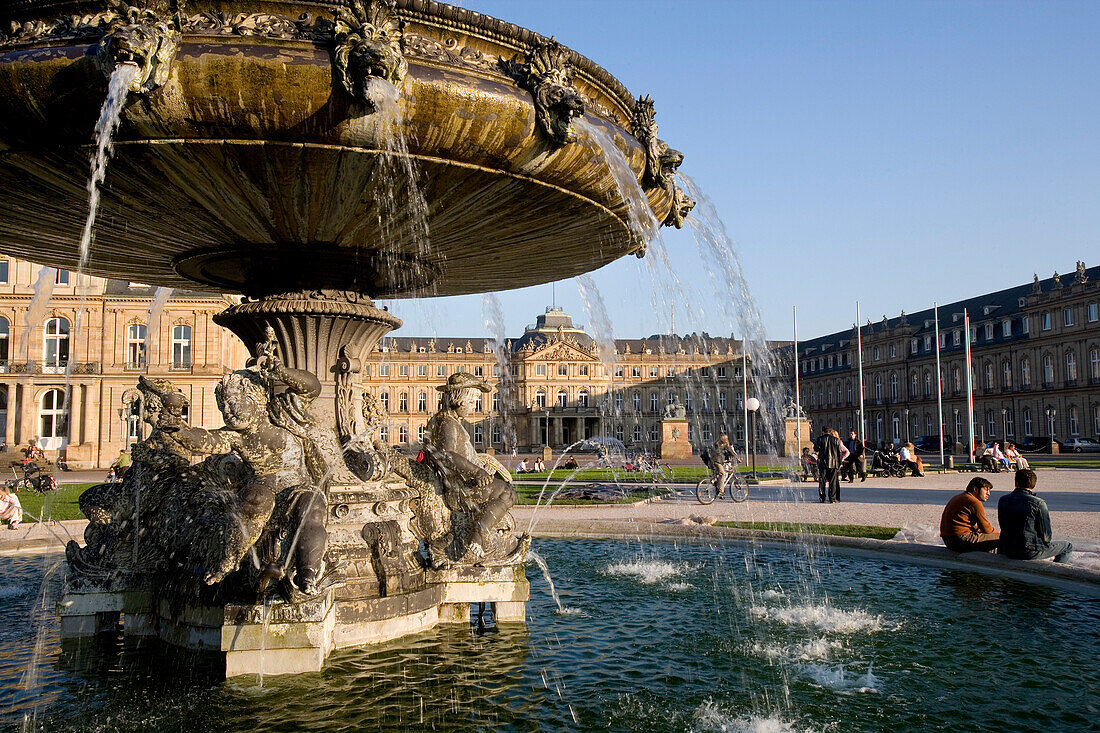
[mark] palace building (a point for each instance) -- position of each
(68, 379)
(72, 347)
(1035, 367)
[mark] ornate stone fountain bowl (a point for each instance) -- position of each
(248, 158)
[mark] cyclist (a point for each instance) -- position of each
(724, 460)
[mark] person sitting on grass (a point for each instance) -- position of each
(522, 467)
(1025, 524)
(11, 511)
(963, 526)
(570, 463)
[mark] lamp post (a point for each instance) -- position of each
(955, 428)
(1004, 424)
(1051, 412)
(907, 438)
(752, 405)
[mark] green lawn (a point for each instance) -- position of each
(835, 530)
(59, 505)
(680, 474)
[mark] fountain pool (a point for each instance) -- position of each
(654, 637)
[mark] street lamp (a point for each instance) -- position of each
(1004, 423)
(1051, 412)
(752, 405)
(907, 438)
(955, 428)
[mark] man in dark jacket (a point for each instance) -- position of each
(1025, 524)
(828, 465)
(855, 462)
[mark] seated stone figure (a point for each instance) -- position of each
(115, 510)
(475, 487)
(267, 432)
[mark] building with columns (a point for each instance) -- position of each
(72, 347)
(554, 385)
(1035, 362)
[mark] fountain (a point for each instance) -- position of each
(255, 153)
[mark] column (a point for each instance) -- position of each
(555, 431)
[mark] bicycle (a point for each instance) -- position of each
(33, 478)
(706, 491)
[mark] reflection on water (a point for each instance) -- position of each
(726, 642)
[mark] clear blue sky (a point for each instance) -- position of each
(897, 153)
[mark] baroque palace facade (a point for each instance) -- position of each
(68, 380)
(1035, 367)
(72, 347)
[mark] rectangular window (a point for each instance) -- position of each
(989, 332)
(563, 370)
(421, 370)
(721, 372)
(956, 337)
(943, 340)
(1006, 328)
(893, 350)
(705, 371)
(582, 370)
(479, 371)
(181, 347)
(540, 370)
(927, 343)
(403, 370)
(1067, 316)
(1025, 325)
(914, 346)
(1046, 321)
(653, 372)
(1094, 310)
(441, 371)
(62, 277)
(3, 271)
(496, 370)
(618, 371)
(384, 370)
(669, 371)
(460, 369)
(973, 334)
(635, 371)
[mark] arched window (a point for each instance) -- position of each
(895, 425)
(135, 345)
(479, 434)
(1094, 363)
(540, 399)
(636, 434)
(496, 401)
(1025, 372)
(653, 400)
(956, 380)
(181, 347)
(618, 432)
(1006, 374)
(928, 424)
(479, 402)
(989, 375)
(51, 415)
(671, 398)
(914, 385)
(384, 399)
(1073, 427)
(689, 402)
(722, 401)
(420, 433)
(55, 351)
(3, 411)
(706, 401)
(403, 402)
(422, 402)
(927, 383)
(654, 432)
(403, 434)
(990, 423)
(563, 398)
(1027, 421)
(4, 332)
(1048, 369)
(706, 431)
(878, 388)
(618, 402)
(839, 394)
(849, 391)
(813, 399)
(1071, 366)
(894, 382)
(582, 398)
(1010, 423)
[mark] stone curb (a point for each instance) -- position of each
(1081, 580)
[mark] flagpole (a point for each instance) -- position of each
(939, 380)
(797, 396)
(859, 352)
(745, 395)
(969, 390)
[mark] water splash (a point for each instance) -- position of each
(109, 117)
(493, 313)
(649, 572)
(643, 224)
(821, 616)
(152, 321)
(711, 717)
(36, 309)
(538, 560)
(599, 323)
(838, 678)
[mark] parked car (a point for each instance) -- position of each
(930, 444)
(1081, 445)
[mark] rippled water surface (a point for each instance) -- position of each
(656, 637)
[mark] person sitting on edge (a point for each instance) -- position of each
(1016, 460)
(999, 456)
(11, 511)
(963, 526)
(1025, 524)
(809, 465)
(908, 458)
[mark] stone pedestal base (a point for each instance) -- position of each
(674, 439)
(791, 446)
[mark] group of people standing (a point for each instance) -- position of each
(834, 460)
(1025, 522)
